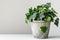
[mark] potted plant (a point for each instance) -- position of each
(40, 19)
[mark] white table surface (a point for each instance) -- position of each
(24, 37)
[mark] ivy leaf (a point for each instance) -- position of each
(53, 10)
(56, 22)
(27, 15)
(39, 6)
(31, 11)
(41, 10)
(43, 29)
(26, 21)
(32, 17)
(47, 19)
(47, 5)
(34, 9)
(42, 16)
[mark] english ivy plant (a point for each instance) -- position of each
(42, 12)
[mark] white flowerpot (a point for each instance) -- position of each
(36, 31)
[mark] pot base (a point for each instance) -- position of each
(40, 37)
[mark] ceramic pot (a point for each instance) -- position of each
(36, 31)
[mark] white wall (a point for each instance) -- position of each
(12, 15)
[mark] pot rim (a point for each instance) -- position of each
(39, 21)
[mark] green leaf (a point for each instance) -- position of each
(56, 22)
(53, 14)
(41, 10)
(39, 6)
(41, 16)
(47, 19)
(26, 21)
(53, 10)
(35, 9)
(30, 10)
(50, 13)
(37, 16)
(32, 17)
(43, 29)
(27, 15)
(47, 5)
